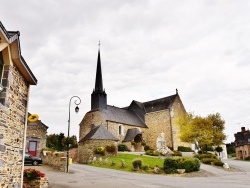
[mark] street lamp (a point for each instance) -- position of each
(77, 102)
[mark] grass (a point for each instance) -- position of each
(151, 162)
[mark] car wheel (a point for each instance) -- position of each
(35, 163)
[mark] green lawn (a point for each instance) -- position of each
(151, 162)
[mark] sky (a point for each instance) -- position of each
(148, 49)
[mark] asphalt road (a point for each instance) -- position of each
(82, 176)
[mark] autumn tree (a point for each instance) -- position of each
(207, 131)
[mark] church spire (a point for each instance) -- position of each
(98, 97)
(98, 79)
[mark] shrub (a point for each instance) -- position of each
(219, 149)
(177, 153)
(122, 147)
(145, 167)
(184, 149)
(100, 150)
(247, 158)
(152, 152)
(170, 165)
(208, 160)
(207, 155)
(146, 148)
(218, 163)
(110, 148)
(149, 152)
(188, 163)
(137, 164)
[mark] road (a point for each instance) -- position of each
(82, 176)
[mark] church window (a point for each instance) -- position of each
(120, 130)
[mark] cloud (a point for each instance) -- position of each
(148, 49)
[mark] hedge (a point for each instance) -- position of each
(184, 149)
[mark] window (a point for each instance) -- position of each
(120, 130)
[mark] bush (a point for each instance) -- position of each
(188, 163)
(219, 149)
(100, 150)
(177, 153)
(207, 155)
(137, 164)
(184, 149)
(110, 148)
(145, 167)
(247, 158)
(208, 160)
(170, 165)
(146, 148)
(149, 152)
(218, 163)
(122, 147)
(152, 152)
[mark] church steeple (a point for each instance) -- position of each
(98, 97)
(98, 78)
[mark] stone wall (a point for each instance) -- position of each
(158, 122)
(12, 126)
(57, 160)
(90, 119)
(86, 150)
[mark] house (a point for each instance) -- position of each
(242, 144)
(151, 122)
(36, 136)
(15, 80)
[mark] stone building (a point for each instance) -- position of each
(15, 80)
(36, 136)
(242, 144)
(151, 122)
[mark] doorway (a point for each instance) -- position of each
(32, 148)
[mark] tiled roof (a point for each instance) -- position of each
(99, 133)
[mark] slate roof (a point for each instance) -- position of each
(122, 115)
(99, 133)
(131, 134)
(242, 138)
(159, 104)
(134, 114)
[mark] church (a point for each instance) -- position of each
(151, 122)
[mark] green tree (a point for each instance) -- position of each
(207, 131)
(59, 142)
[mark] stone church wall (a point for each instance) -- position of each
(86, 150)
(90, 119)
(12, 121)
(177, 111)
(158, 122)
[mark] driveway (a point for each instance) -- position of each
(81, 176)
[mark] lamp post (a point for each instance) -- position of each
(77, 102)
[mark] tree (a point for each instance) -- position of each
(207, 131)
(59, 142)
